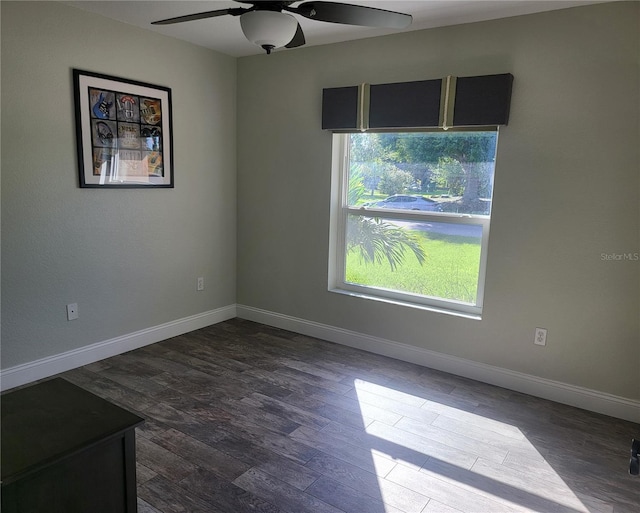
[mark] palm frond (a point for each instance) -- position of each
(377, 241)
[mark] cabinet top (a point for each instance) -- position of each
(46, 422)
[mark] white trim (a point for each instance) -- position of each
(51, 365)
(565, 393)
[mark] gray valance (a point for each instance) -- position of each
(446, 102)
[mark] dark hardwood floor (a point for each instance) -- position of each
(242, 417)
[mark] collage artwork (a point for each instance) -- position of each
(126, 135)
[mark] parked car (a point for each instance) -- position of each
(408, 202)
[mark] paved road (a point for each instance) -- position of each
(464, 230)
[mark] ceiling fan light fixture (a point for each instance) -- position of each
(268, 29)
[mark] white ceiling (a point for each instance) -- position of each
(224, 35)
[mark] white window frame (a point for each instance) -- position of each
(340, 210)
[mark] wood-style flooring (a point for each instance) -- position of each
(242, 417)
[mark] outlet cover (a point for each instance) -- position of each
(72, 312)
(540, 337)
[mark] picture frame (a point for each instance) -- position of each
(124, 132)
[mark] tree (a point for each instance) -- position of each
(366, 155)
(372, 173)
(394, 180)
(449, 174)
(474, 153)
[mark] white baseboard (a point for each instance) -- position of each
(557, 391)
(580, 397)
(49, 366)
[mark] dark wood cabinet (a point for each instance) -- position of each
(66, 450)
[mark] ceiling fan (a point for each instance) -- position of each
(267, 25)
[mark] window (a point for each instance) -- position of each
(410, 217)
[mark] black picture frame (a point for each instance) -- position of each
(124, 132)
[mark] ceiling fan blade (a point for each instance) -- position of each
(237, 11)
(298, 39)
(350, 14)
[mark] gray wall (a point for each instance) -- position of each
(566, 191)
(129, 258)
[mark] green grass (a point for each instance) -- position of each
(450, 270)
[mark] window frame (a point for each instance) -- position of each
(340, 211)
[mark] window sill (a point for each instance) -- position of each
(428, 308)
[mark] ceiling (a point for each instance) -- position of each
(224, 35)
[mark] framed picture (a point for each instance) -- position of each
(124, 132)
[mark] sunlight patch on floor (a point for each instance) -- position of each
(449, 452)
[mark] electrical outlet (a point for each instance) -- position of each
(72, 311)
(540, 338)
(200, 285)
